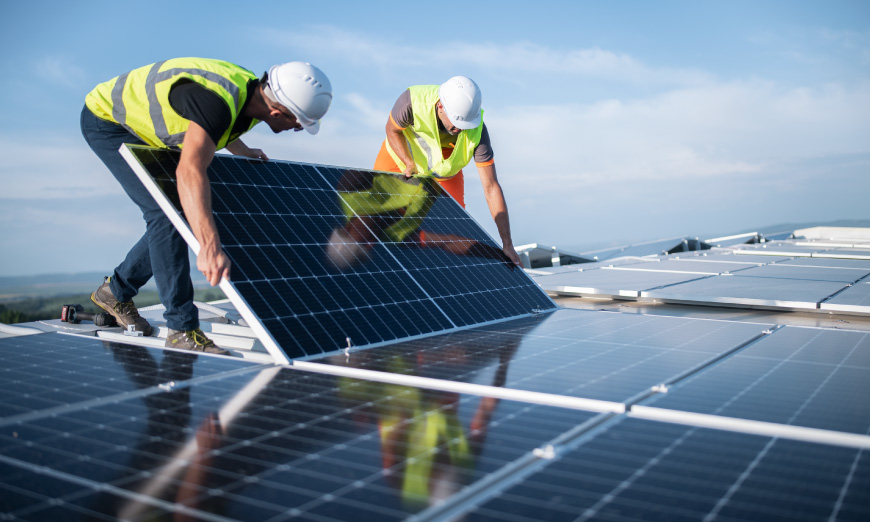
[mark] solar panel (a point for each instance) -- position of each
(612, 282)
(609, 357)
(829, 262)
(34, 382)
(639, 470)
(324, 257)
(737, 257)
(798, 376)
(855, 299)
(275, 443)
(810, 273)
(750, 291)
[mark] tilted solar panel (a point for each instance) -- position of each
(324, 257)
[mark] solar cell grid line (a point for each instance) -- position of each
(305, 280)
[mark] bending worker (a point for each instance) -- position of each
(445, 118)
(199, 106)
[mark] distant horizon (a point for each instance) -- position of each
(198, 278)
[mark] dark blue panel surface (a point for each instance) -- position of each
(270, 444)
(578, 353)
(641, 470)
(54, 370)
(802, 376)
(324, 254)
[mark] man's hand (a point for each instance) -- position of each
(257, 154)
(512, 254)
(214, 264)
(400, 146)
(239, 148)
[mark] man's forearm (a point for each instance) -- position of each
(396, 140)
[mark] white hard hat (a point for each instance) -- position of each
(304, 90)
(461, 99)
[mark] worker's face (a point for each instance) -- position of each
(280, 119)
(445, 121)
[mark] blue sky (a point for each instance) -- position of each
(612, 122)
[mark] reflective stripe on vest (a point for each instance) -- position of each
(125, 106)
(424, 140)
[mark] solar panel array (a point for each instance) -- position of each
(324, 257)
(787, 275)
(498, 408)
(112, 431)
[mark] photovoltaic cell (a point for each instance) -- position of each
(799, 376)
(638, 470)
(324, 256)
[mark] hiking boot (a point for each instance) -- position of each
(193, 340)
(125, 313)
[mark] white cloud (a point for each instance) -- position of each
(717, 130)
(396, 56)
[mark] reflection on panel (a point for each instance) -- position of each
(569, 352)
(324, 256)
(801, 376)
(641, 470)
(276, 443)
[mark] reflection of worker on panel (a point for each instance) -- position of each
(426, 452)
(388, 208)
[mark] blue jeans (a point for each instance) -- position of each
(161, 252)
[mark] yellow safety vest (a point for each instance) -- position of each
(139, 99)
(424, 140)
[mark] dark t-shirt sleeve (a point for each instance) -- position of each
(483, 152)
(196, 103)
(402, 114)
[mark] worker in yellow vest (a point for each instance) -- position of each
(199, 106)
(434, 131)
